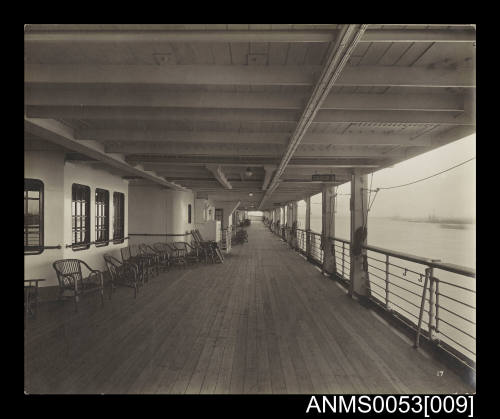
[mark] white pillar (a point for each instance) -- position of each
(293, 222)
(359, 284)
(308, 226)
(289, 222)
(328, 227)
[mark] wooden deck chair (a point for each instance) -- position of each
(215, 250)
(203, 251)
(206, 247)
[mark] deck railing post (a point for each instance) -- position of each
(387, 282)
(422, 304)
(437, 309)
(432, 315)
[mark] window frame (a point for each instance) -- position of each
(120, 217)
(99, 226)
(29, 185)
(81, 245)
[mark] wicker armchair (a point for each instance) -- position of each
(73, 284)
(122, 273)
(152, 257)
(191, 253)
(136, 259)
(177, 256)
(163, 253)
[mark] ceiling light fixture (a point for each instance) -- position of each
(250, 194)
(248, 172)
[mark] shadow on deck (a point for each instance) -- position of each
(265, 321)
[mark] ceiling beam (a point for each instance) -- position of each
(431, 115)
(184, 36)
(419, 35)
(368, 75)
(337, 59)
(278, 75)
(81, 97)
(269, 170)
(203, 36)
(176, 173)
(219, 175)
(195, 149)
(63, 135)
(328, 162)
(327, 116)
(256, 150)
(244, 138)
(171, 74)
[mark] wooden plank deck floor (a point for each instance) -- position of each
(265, 321)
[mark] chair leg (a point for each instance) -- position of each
(76, 303)
(102, 297)
(135, 291)
(110, 290)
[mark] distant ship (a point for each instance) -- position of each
(454, 226)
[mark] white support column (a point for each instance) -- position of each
(293, 240)
(308, 226)
(328, 227)
(359, 284)
(289, 222)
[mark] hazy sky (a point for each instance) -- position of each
(451, 194)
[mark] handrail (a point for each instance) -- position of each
(319, 234)
(450, 267)
(402, 303)
(84, 245)
(461, 270)
(40, 249)
(160, 234)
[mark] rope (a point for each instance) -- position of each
(428, 177)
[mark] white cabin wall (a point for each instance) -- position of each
(48, 166)
(89, 176)
(147, 213)
(155, 210)
(177, 211)
(58, 178)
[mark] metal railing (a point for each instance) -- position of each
(310, 244)
(435, 299)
